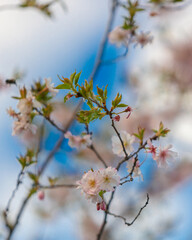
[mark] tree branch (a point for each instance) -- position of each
(124, 219)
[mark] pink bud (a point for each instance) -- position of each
(128, 109)
(98, 206)
(41, 195)
(103, 206)
(116, 118)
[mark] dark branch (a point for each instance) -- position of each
(136, 217)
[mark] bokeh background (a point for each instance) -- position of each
(155, 80)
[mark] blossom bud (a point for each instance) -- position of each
(41, 195)
(98, 206)
(128, 109)
(103, 206)
(116, 118)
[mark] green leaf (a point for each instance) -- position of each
(77, 78)
(64, 86)
(72, 77)
(122, 105)
(33, 177)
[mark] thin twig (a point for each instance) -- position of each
(135, 153)
(15, 190)
(115, 59)
(124, 219)
(119, 136)
(99, 235)
(49, 120)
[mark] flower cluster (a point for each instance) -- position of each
(27, 103)
(24, 118)
(78, 141)
(95, 183)
(127, 139)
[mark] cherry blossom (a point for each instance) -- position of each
(27, 104)
(50, 86)
(22, 125)
(109, 179)
(128, 140)
(134, 168)
(165, 156)
(119, 36)
(90, 185)
(152, 149)
(143, 39)
(78, 141)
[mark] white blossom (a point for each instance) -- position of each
(89, 184)
(109, 179)
(165, 156)
(119, 36)
(128, 140)
(143, 39)
(21, 125)
(50, 86)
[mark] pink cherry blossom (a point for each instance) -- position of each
(90, 183)
(165, 156)
(152, 149)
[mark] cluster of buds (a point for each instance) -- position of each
(94, 184)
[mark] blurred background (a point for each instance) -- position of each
(155, 80)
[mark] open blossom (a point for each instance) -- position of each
(21, 125)
(151, 149)
(90, 185)
(95, 183)
(119, 36)
(26, 105)
(109, 179)
(165, 156)
(134, 168)
(50, 86)
(143, 39)
(78, 141)
(128, 140)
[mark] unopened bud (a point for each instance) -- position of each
(41, 195)
(116, 118)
